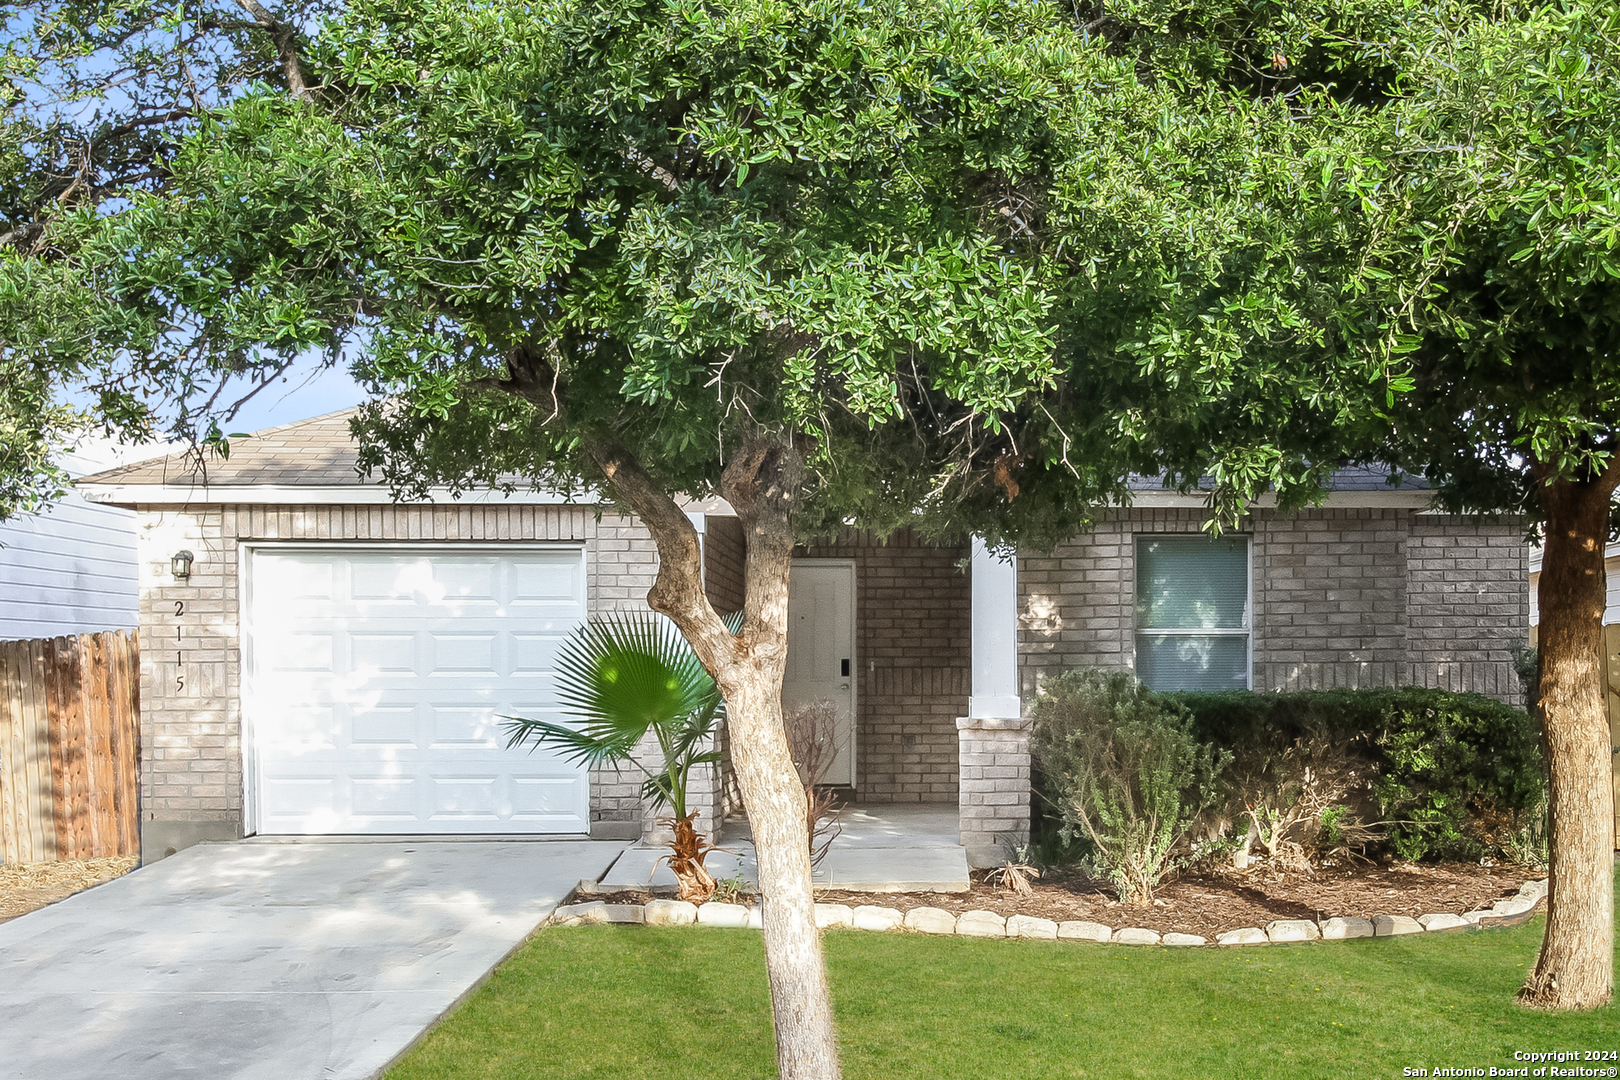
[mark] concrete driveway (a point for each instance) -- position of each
(270, 961)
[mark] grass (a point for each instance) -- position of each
(633, 1002)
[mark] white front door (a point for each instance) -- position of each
(821, 651)
(377, 680)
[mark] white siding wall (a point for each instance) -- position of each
(71, 569)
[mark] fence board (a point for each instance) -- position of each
(37, 757)
(98, 763)
(11, 840)
(123, 686)
(69, 748)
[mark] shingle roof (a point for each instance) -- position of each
(321, 452)
(1350, 478)
(318, 452)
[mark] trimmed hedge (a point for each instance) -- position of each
(1465, 770)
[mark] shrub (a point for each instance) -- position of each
(1455, 776)
(1123, 770)
(1310, 797)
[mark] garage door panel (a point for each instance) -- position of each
(385, 654)
(535, 654)
(531, 582)
(299, 799)
(301, 650)
(466, 798)
(299, 728)
(464, 727)
(288, 581)
(394, 580)
(379, 681)
(395, 727)
(464, 581)
(454, 654)
(547, 798)
(385, 797)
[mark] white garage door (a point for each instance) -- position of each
(377, 680)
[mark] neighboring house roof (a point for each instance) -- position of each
(309, 461)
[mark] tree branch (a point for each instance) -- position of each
(678, 590)
(653, 169)
(285, 37)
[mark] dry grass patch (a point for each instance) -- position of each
(26, 887)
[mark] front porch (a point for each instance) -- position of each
(917, 645)
(882, 848)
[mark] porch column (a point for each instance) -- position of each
(993, 739)
(995, 636)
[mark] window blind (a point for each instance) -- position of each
(1192, 612)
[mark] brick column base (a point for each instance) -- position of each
(993, 767)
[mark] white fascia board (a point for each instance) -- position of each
(1336, 500)
(293, 495)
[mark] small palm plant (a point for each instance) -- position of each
(624, 676)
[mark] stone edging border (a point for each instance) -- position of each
(931, 920)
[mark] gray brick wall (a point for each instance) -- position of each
(724, 562)
(913, 612)
(191, 724)
(724, 556)
(1342, 598)
(1329, 598)
(1467, 604)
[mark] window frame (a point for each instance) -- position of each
(1247, 630)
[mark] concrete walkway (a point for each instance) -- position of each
(906, 848)
(270, 961)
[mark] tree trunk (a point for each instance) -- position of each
(762, 482)
(801, 1003)
(1576, 967)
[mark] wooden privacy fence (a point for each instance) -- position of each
(70, 732)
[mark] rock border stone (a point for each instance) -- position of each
(1511, 911)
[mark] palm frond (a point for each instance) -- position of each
(591, 745)
(621, 677)
(631, 671)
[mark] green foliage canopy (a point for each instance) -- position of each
(977, 263)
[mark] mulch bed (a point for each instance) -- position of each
(1209, 904)
(26, 887)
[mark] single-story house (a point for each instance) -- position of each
(332, 662)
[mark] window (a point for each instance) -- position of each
(1192, 612)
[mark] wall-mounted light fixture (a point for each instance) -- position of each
(181, 564)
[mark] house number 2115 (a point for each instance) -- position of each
(179, 670)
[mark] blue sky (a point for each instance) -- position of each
(304, 392)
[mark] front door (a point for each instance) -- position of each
(821, 652)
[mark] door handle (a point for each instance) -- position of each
(843, 686)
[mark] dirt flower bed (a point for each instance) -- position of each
(1209, 904)
(28, 886)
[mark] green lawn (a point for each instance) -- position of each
(638, 1002)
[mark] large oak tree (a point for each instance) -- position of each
(790, 255)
